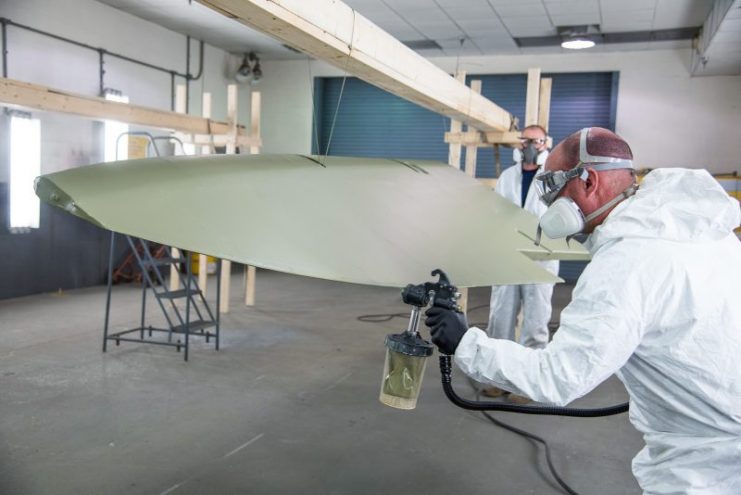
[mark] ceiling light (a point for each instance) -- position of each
(577, 43)
(579, 37)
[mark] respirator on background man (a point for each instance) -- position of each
(564, 218)
(529, 154)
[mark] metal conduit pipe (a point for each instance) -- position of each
(4, 23)
(102, 52)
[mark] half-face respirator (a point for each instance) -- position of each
(564, 218)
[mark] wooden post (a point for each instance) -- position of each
(454, 149)
(544, 104)
(250, 272)
(231, 146)
(180, 104)
(472, 151)
(497, 161)
(205, 150)
(533, 90)
(454, 160)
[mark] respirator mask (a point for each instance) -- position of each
(564, 218)
(529, 152)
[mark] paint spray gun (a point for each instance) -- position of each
(407, 352)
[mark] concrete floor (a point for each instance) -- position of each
(288, 405)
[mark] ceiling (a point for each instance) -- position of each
(487, 27)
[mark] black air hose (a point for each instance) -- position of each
(446, 371)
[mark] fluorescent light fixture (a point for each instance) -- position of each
(113, 130)
(577, 44)
(25, 166)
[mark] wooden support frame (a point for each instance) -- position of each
(231, 148)
(34, 96)
(537, 108)
(188, 128)
(205, 150)
(250, 272)
(332, 31)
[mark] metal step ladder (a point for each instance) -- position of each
(179, 320)
(185, 309)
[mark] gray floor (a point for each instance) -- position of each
(288, 405)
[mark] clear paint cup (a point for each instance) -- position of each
(403, 370)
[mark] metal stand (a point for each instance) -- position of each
(153, 278)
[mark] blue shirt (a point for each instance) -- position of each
(527, 179)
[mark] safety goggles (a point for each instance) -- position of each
(550, 184)
(536, 141)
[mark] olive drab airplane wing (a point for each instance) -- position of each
(362, 220)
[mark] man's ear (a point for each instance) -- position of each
(592, 183)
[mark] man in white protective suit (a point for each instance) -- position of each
(516, 184)
(659, 306)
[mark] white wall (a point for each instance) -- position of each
(70, 141)
(669, 118)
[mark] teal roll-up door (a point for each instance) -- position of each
(372, 122)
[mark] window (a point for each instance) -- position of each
(25, 166)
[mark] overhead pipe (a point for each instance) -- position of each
(102, 52)
(4, 23)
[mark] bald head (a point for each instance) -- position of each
(600, 142)
(598, 187)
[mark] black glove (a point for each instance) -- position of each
(446, 328)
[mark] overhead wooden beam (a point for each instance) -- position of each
(332, 31)
(38, 97)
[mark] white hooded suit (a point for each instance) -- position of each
(660, 306)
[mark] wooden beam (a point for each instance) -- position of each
(231, 148)
(38, 97)
(255, 104)
(483, 138)
(472, 151)
(533, 89)
(205, 150)
(332, 31)
(544, 104)
(219, 139)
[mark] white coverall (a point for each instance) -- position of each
(534, 298)
(660, 306)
